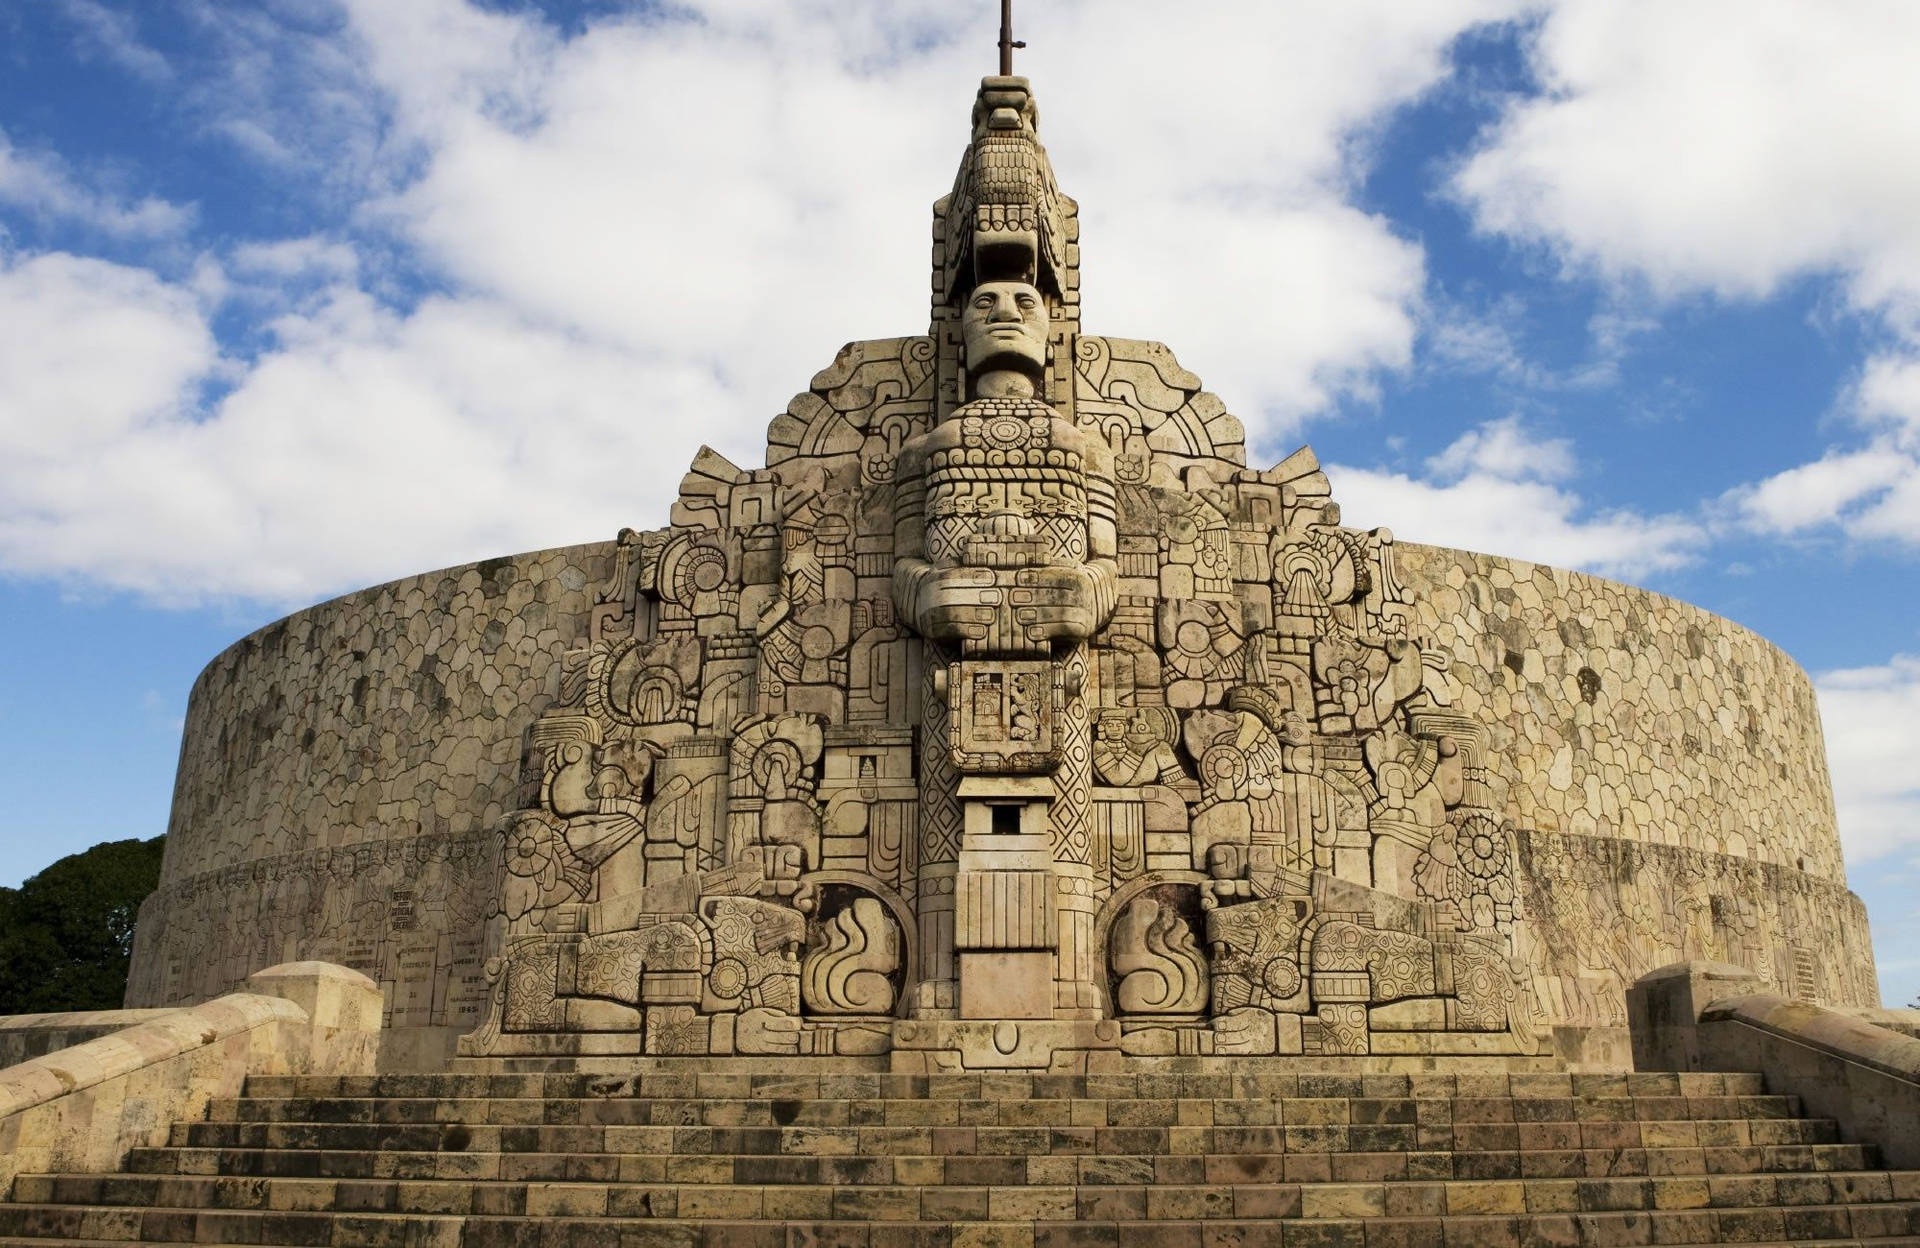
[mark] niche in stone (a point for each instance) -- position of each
(855, 964)
(1157, 966)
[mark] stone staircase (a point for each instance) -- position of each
(827, 1156)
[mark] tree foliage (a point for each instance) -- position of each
(66, 934)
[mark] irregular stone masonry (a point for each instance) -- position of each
(339, 773)
(1628, 715)
(1261, 1157)
(1005, 718)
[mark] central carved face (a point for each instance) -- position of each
(1005, 327)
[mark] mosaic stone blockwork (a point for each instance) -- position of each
(1005, 719)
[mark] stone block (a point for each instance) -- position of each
(1006, 984)
(332, 996)
(1664, 1008)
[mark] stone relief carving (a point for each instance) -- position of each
(1057, 535)
(1007, 693)
(850, 967)
(1156, 964)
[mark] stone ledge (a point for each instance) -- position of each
(27, 1036)
(84, 1107)
(1706, 1016)
(1850, 1039)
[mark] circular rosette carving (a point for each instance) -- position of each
(697, 574)
(1224, 771)
(1468, 869)
(639, 684)
(1280, 977)
(540, 869)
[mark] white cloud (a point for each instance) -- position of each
(651, 233)
(289, 258)
(1495, 489)
(1887, 399)
(114, 35)
(40, 184)
(1870, 492)
(1719, 144)
(366, 446)
(1504, 449)
(1872, 721)
(679, 186)
(91, 353)
(1728, 147)
(1819, 492)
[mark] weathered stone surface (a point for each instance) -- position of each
(814, 1155)
(1005, 720)
(81, 1108)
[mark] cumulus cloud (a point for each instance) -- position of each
(1499, 488)
(41, 185)
(1719, 144)
(1728, 147)
(649, 232)
(1869, 491)
(1821, 492)
(581, 178)
(1872, 720)
(364, 446)
(91, 354)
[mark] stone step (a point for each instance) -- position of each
(19, 1241)
(1462, 1137)
(1876, 1223)
(1017, 1167)
(1134, 1192)
(1007, 1087)
(1087, 1111)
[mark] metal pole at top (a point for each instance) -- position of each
(1007, 42)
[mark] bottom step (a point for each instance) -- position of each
(1880, 1225)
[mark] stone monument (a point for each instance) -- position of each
(1006, 719)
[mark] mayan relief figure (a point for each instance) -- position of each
(1006, 696)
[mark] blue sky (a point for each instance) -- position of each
(301, 295)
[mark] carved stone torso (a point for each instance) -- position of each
(1008, 485)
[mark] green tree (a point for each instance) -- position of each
(66, 934)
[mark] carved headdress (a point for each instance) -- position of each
(1006, 219)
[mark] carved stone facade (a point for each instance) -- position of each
(1005, 719)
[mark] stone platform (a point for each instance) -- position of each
(827, 1154)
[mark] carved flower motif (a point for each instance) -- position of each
(534, 850)
(530, 848)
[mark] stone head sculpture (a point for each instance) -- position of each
(1004, 329)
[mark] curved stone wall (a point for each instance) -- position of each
(339, 771)
(342, 772)
(1622, 713)
(1667, 781)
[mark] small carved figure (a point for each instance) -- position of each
(1135, 747)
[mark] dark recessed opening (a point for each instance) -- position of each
(1006, 820)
